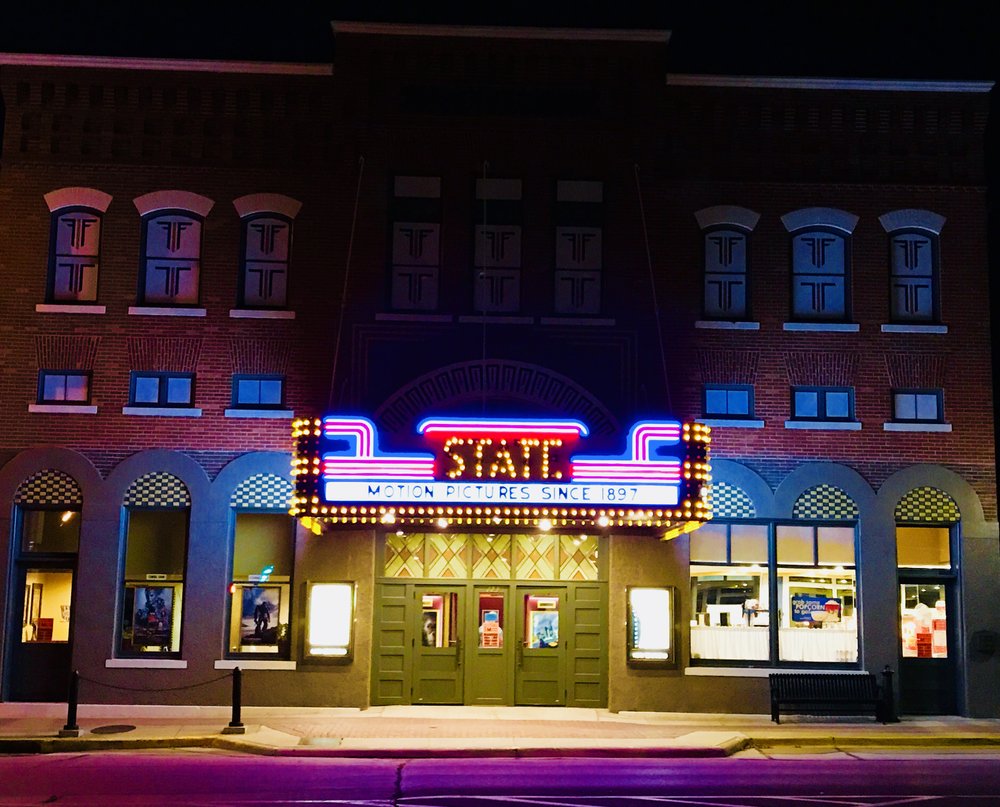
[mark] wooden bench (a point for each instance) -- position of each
(827, 693)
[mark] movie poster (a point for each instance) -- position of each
(153, 609)
(259, 615)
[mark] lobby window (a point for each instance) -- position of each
(162, 389)
(820, 264)
(260, 587)
(171, 258)
(59, 387)
(914, 265)
(267, 242)
(726, 248)
(728, 401)
(823, 403)
(917, 406)
(258, 391)
(756, 589)
(153, 585)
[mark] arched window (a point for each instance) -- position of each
(914, 261)
(75, 244)
(820, 263)
(266, 225)
(726, 233)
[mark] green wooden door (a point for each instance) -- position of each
(438, 625)
(392, 645)
(587, 649)
(488, 679)
(543, 622)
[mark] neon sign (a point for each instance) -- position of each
(511, 471)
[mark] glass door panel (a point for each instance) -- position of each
(541, 650)
(39, 661)
(927, 669)
(438, 648)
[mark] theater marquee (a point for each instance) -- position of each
(514, 472)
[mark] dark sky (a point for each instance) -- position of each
(881, 39)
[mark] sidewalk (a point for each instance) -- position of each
(461, 731)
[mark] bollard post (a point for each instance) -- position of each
(71, 729)
(236, 724)
(888, 697)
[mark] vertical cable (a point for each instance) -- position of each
(343, 293)
(652, 288)
(482, 380)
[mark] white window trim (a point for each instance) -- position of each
(414, 318)
(261, 313)
(831, 327)
(905, 328)
(721, 215)
(162, 411)
(495, 319)
(825, 425)
(911, 218)
(916, 426)
(69, 308)
(586, 322)
(732, 423)
(145, 664)
(253, 664)
(261, 414)
(165, 311)
(809, 217)
(727, 325)
(63, 409)
(254, 203)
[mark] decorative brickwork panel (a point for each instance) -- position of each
(446, 555)
(491, 557)
(49, 487)
(821, 369)
(577, 557)
(729, 501)
(262, 492)
(535, 557)
(916, 370)
(404, 555)
(66, 352)
(260, 356)
(825, 502)
(728, 366)
(164, 355)
(927, 505)
(157, 490)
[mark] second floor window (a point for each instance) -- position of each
(913, 260)
(162, 389)
(267, 241)
(822, 403)
(917, 406)
(258, 391)
(728, 401)
(57, 387)
(819, 276)
(74, 255)
(726, 260)
(171, 251)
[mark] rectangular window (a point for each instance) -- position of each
(74, 256)
(171, 259)
(819, 276)
(726, 288)
(415, 236)
(914, 293)
(162, 389)
(260, 589)
(258, 391)
(727, 401)
(267, 240)
(153, 586)
(822, 403)
(756, 588)
(63, 388)
(917, 406)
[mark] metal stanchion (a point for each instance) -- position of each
(71, 729)
(888, 697)
(236, 724)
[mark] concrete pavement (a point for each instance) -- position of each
(462, 731)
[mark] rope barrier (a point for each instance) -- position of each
(158, 689)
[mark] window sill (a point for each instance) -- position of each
(916, 427)
(70, 308)
(261, 313)
(164, 311)
(758, 672)
(900, 328)
(829, 327)
(727, 325)
(161, 411)
(253, 664)
(62, 409)
(262, 414)
(731, 423)
(495, 319)
(146, 664)
(586, 322)
(825, 425)
(413, 317)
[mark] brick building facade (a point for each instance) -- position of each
(801, 264)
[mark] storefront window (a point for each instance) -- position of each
(802, 595)
(50, 530)
(260, 590)
(923, 547)
(155, 557)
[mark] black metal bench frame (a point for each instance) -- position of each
(828, 693)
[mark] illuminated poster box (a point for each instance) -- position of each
(329, 620)
(651, 628)
(520, 472)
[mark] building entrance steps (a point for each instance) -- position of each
(422, 731)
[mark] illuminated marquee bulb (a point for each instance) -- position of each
(442, 523)
(544, 525)
(603, 521)
(389, 517)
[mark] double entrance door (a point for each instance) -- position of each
(483, 644)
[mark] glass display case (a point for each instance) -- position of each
(651, 627)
